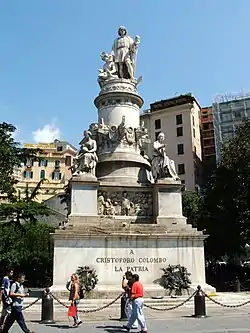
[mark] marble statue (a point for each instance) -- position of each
(125, 50)
(101, 204)
(86, 158)
(126, 204)
(109, 69)
(162, 165)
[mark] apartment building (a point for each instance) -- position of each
(229, 111)
(55, 160)
(179, 119)
(207, 142)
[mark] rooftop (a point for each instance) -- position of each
(174, 101)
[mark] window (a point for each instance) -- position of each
(179, 131)
(142, 152)
(180, 149)
(156, 135)
(29, 162)
(195, 150)
(157, 124)
(179, 119)
(57, 163)
(42, 174)
(56, 175)
(68, 161)
(206, 126)
(181, 169)
(194, 132)
(43, 163)
(193, 120)
(59, 148)
(28, 174)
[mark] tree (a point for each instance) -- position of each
(28, 249)
(11, 156)
(26, 208)
(191, 207)
(226, 207)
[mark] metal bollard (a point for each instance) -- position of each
(199, 304)
(47, 316)
(123, 312)
(237, 285)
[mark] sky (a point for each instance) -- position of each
(50, 56)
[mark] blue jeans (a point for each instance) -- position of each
(76, 318)
(137, 314)
(15, 315)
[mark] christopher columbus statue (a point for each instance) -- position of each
(124, 51)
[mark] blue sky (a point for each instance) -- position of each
(50, 56)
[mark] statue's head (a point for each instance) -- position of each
(122, 31)
(87, 134)
(161, 137)
(104, 56)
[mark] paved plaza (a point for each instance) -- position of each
(212, 324)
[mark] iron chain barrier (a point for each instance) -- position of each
(171, 307)
(226, 305)
(89, 311)
(146, 305)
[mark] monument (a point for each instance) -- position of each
(125, 211)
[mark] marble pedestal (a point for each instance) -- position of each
(114, 249)
(168, 202)
(83, 202)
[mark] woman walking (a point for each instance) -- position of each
(74, 288)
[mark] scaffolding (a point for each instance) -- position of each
(229, 110)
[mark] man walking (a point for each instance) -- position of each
(17, 294)
(127, 283)
(137, 305)
(5, 296)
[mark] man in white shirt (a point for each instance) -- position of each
(17, 294)
(5, 296)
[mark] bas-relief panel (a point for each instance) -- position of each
(125, 203)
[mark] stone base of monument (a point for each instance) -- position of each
(113, 248)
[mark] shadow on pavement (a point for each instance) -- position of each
(62, 326)
(111, 328)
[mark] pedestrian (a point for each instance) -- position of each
(17, 294)
(5, 296)
(74, 288)
(137, 305)
(127, 282)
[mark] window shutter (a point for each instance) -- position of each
(60, 176)
(46, 162)
(24, 174)
(53, 175)
(31, 175)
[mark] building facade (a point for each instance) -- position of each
(53, 165)
(229, 111)
(207, 142)
(179, 119)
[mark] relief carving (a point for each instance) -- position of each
(125, 203)
(108, 137)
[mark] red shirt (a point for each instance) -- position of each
(137, 290)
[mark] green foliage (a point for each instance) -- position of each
(11, 156)
(88, 278)
(29, 249)
(175, 278)
(226, 209)
(191, 203)
(25, 208)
